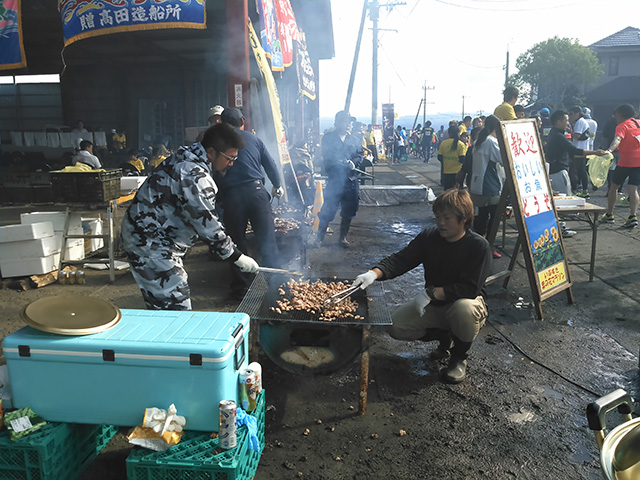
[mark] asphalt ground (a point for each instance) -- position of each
(519, 414)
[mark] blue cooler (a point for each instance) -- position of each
(148, 359)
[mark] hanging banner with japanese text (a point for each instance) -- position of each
(89, 18)
(533, 203)
(11, 47)
(304, 69)
(270, 34)
(288, 30)
(388, 119)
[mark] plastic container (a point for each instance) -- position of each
(83, 187)
(58, 451)
(193, 458)
(105, 377)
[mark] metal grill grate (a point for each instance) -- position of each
(263, 294)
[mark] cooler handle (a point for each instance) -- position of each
(596, 411)
(238, 335)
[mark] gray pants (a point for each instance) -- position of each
(560, 182)
(463, 319)
(162, 281)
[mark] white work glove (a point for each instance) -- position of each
(277, 192)
(421, 301)
(351, 165)
(247, 264)
(365, 279)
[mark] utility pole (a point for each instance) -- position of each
(506, 69)
(424, 102)
(352, 78)
(463, 96)
(374, 14)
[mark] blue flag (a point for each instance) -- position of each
(89, 18)
(11, 48)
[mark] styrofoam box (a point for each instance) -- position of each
(568, 201)
(41, 247)
(18, 233)
(93, 226)
(151, 358)
(57, 219)
(131, 183)
(29, 266)
(75, 251)
(71, 242)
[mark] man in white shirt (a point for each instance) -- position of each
(580, 137)
(86, 156)
(593, 126)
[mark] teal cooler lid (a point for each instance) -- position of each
(206, 339)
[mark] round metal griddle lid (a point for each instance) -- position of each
(71, 315)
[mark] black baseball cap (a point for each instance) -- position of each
(232, 116)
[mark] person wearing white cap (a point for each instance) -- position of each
(214, 114)
(214, 117)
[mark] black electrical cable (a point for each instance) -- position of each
(514, 345)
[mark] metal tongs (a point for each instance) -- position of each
(279, 270)
(340, 296)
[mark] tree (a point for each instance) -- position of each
(555, 71)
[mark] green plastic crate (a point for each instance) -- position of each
(58, 451)
(193, 459)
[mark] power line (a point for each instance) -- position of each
(551, 7)
(392, 65)
(476, 66)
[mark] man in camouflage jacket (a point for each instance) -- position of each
(175, 207)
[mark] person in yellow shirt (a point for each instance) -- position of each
(464, 126)
(451, 154)
(371, 143)
(505, 111)
(160, 154)
(119, 140)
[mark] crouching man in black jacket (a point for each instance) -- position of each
(451, 308)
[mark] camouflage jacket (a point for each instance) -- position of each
(174, 207)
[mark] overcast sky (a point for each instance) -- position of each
(457, 46)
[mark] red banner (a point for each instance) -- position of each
(288, 30)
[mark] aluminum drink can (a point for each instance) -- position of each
(257, 368)
(227, 437)
(248, 384)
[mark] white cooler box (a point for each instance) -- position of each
(149, 359)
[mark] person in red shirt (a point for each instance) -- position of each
(627, 141)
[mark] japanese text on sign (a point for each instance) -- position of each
(552, 276)
(529, 169)
(99, 17)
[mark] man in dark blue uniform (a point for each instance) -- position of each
(244, 198)
(341, 156)
(427, 140)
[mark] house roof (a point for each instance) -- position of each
(622, 90)
(627, 37)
